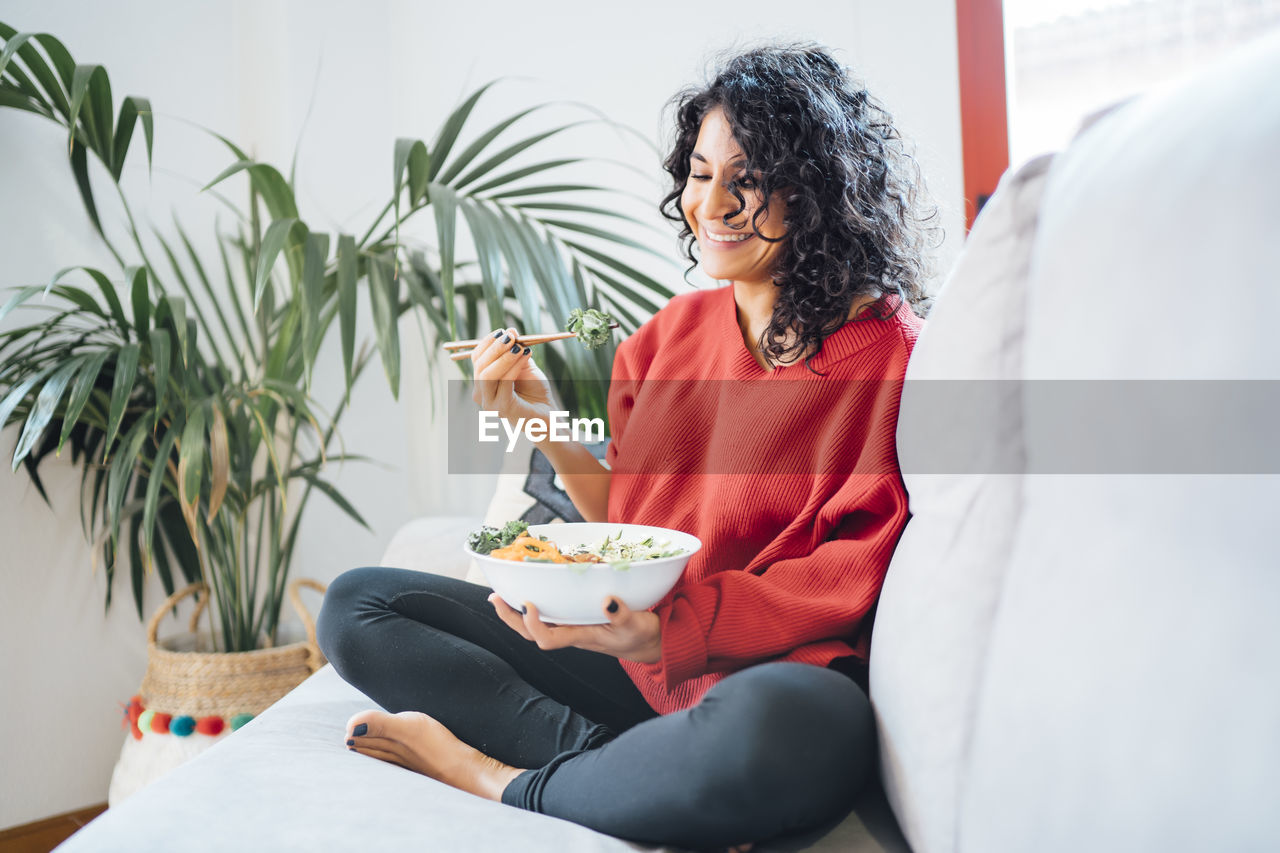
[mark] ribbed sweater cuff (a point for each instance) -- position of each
(684, 648)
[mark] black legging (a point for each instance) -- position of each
(771, 750)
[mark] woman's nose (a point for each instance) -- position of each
(720, 202)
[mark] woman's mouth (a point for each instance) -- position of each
(725, 240)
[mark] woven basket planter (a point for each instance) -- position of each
(191, 699)
(225, 684)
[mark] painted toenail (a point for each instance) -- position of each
(360, 730)
(351, 743)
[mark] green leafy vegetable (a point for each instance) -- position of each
(512, 530)
(488, 538)
(591, 326)
(484, 540)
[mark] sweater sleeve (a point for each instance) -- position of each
(735, 618)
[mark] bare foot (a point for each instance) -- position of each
(422, 744)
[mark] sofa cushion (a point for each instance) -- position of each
(959, 436)
(433, 544)
(1129, 700)
(285, 782)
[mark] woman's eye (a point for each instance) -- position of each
(699, 177)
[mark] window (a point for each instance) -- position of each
(1070, 58)
(1032, 70)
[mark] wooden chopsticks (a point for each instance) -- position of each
(462, 349)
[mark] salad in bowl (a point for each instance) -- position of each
(568, 571)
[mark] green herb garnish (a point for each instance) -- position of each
(591, 326)
(604, 546)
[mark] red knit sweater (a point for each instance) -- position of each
(790, 480)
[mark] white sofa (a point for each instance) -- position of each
(1061, 660)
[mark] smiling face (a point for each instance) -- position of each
(732, 252)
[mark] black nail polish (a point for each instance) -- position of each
(521, 609)
(515, 348)
(351, 743)
(506, 339)
(360, 730)
(351, 749)
(527, 350)
(613, 606)
(497, 334)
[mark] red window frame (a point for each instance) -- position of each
(984, 114)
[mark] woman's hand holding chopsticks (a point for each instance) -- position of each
(507, 379)
(510, 383)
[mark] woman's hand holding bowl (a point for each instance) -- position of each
(634, 635)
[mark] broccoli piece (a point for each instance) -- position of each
(591, 326)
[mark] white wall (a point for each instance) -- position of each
(376, 70)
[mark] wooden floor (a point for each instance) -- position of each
(42, 836)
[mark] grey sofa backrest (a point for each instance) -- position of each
(1082, 657)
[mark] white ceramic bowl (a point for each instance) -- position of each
(576, 593)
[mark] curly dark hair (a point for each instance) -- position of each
(854, 194)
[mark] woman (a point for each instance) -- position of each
(736, 709)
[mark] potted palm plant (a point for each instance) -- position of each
(181, 383)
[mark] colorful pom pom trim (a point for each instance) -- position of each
(147, 720)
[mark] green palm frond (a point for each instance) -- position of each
(182, 387)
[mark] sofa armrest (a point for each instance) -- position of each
(432, 544)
